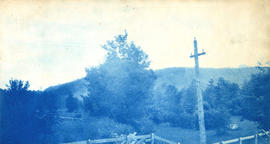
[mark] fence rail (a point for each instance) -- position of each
(133, 139)
(241, 139)
(141, 138)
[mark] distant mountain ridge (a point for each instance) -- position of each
(180, 77)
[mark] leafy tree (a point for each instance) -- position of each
(121, 49)
(257, 98)
(17, 86)
(16, 113)
(19, 119)
(120, 87)
(221, 101)
(224, 95)
(165, 105)
(189, 99)
(176, 107)
(187, 117)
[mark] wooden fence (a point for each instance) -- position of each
(241, 139)
(129, 139)
(151, 138)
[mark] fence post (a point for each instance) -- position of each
(256, 138)
(240, 140)
(88, 141)
(127, 139)
(152, 138)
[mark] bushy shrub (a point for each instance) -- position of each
(216, 119)
(220, 103)
(144, 125)
(165, 104)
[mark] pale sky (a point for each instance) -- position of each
(52, 42)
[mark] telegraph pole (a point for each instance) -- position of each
(199, 93)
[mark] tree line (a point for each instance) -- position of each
(26, 116)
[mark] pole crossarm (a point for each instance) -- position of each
(199, 54)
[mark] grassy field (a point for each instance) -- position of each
(79, 130)
(188, 136)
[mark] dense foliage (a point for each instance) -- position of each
(179, 108)
(26, 116)
(220, 102)
(256, 98)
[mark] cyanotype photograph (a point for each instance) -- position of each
(134, 72)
